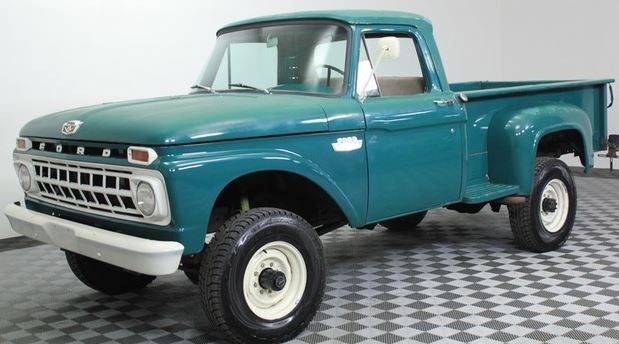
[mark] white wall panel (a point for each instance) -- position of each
(562, 39)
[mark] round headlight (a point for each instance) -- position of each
(145, 197)
(25, 180)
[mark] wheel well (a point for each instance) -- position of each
(282, 190)
(562, 142)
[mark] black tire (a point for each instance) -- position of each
(408, 222)
(104, 277)
(526, 219)
(194, 274)
(223, 269)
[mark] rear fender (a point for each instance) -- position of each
(514, 136)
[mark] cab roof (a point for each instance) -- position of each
(350, 17)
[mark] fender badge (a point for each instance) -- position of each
(71, 127)
(347, 144)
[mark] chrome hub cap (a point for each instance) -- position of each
(554, 205)
(274, 280)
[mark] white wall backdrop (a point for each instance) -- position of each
(562, 39)
(60, 54)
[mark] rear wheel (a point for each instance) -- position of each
(545, 221)
(403, 223)
(104, 277)
(263, 277)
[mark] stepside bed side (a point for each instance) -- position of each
(507, 123)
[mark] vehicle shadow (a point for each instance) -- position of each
(441, 230)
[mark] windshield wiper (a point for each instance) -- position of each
(265, 90)
(202, 87)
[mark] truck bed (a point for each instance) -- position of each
(485, 99)
(479, 89)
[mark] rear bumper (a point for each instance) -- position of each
(146, 256)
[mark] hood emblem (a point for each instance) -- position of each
(71, 127)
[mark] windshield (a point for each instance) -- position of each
(300, 58)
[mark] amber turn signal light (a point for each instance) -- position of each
(141, 155)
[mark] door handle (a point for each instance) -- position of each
(444, 102)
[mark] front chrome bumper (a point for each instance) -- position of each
(146, 256)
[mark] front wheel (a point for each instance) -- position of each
(545, 221)
(263, 278)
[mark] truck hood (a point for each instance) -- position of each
(187, 119)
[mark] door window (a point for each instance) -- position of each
(392, 75)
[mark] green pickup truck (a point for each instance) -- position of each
(298, 125)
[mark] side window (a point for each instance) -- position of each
(396, 75)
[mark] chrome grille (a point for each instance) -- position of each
(94, 188)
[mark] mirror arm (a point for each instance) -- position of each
(373, 75)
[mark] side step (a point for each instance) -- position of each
(483, 192)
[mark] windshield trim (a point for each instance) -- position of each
(347, 64)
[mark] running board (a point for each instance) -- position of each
(484, 192)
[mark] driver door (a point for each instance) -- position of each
(414, 130)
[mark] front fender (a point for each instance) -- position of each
(231, 165)
(514, 136)
(196, 178)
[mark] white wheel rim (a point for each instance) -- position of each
(270, 304)
(556, 190)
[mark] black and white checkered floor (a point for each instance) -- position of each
(458, 278)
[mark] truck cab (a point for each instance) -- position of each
(298, 125)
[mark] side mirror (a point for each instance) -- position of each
(389, 48)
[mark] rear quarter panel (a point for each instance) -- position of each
(503, 131)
